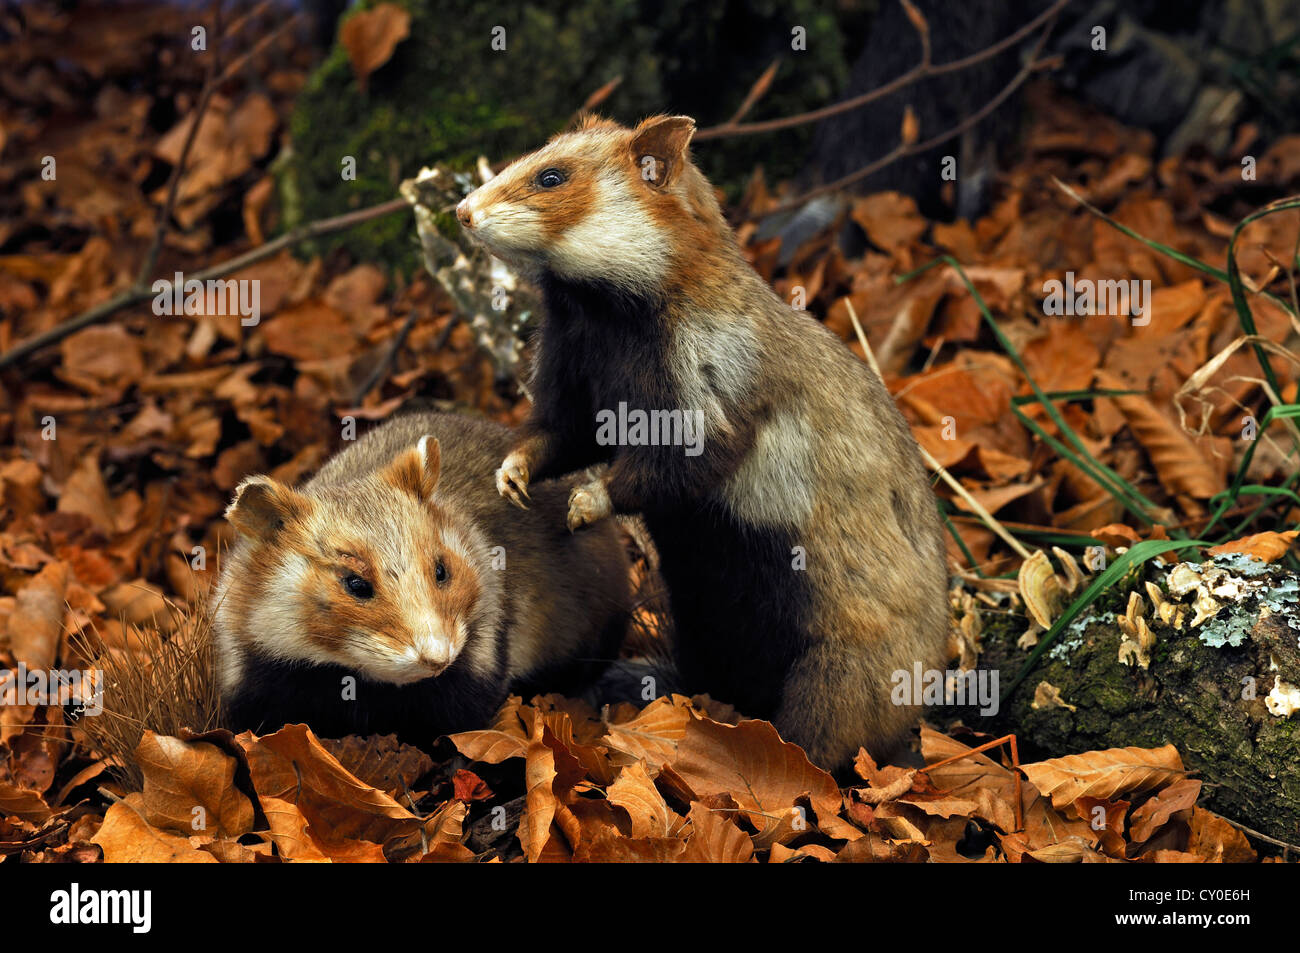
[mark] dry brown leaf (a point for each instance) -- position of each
(652, 736)
(635, 792)
(764, 774)
(1105, 774)
(715, 839)
(127, 838)
(445, 833)
(1269, 546)
(1182, 465)
(370, 36)
(1155, 813)
(190, 787)
(1216, 841)
(36, 623)
(292, 765)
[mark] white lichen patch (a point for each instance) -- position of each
(1234, 582)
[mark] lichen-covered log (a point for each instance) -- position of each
(1221, 690)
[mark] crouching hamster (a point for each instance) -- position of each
(397, 592)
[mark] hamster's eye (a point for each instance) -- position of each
(440, 572)
(550, 178)
(356, 586)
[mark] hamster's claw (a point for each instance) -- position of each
(512, 481)
(588, 503)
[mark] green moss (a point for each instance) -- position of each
(446, 96)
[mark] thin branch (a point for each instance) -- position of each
(178, 170)
(919, 72)
(902, 151)
(134, 295)
(217, 77)
(756, 92)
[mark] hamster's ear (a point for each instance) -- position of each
(415, 471)
(262, 506)
(659, 148)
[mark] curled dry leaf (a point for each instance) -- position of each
(635, 792)
(1269, 547)
(127, 838)
(1158, 811)
(715, 839)
(1105, 774)
(292, 765)
(652, 736)
(189, 786)
(764, 774)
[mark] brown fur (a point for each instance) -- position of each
(382, 511)
(650, 302)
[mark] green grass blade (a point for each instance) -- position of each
(1138, 554)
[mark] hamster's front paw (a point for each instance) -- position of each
(512, 479)
(587, 503)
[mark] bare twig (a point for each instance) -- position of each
(178, 170)
(922, 70)
(901, 151)
(756, 92)
(382, 368)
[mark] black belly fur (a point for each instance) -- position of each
(273, 693)
(741, 610)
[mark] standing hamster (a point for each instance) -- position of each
(395, 591)
(797, 531)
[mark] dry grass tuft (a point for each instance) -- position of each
(157, 683)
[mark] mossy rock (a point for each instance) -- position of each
(446, 96)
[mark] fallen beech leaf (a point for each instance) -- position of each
(190, 787)
(1105, 774)
(445, 833)
(1159, 810)
(635, 792)
(715, 839)
(289, 832)
(549, 775)
(24, 803)
(292, 765)
(1182, 465)
(126, 838)
(370, 36)
(764, 774)
(1216, 841)
(488, 746)
(608, 847)
(976, 783)
(36, 623)
(468, 786)
(651, 736)
(885, 784)
(380, 761)
(1269, 547)
(1106, 818)
(871, 848)
(1116, 534)
(1072, 851)
(85, 493)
